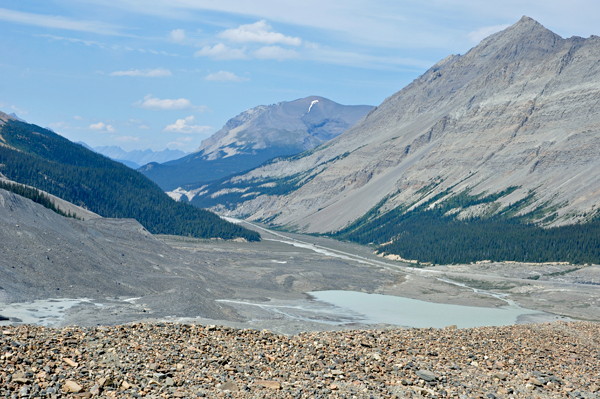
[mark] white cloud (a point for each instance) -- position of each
(97, 126)
(100, 126)
(224, 76)
(146, 73)
(275, 53)
(59, 125)
(127, 139)
(150, 102)
(88, 43)
(177, 35)
(57, 22)
(222, 52)
(186, 126)
(77, 118)
(478, 35)
(144, 127)
(258, 32)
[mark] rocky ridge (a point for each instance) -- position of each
(518, 110)
(257, 135)
(188, 360)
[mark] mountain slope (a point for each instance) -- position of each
(45, 255)
(256, 135)
(42, 159)
(518, 115)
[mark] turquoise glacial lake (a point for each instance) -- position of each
(375, 309)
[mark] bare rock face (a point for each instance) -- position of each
(518, 110)
(301, 124)
(257, 135)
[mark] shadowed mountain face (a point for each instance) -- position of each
(517, 115)
(257, 135)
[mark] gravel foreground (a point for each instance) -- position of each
(164, 360)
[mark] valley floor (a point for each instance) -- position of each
(254, 283)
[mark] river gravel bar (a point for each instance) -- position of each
(173, 360)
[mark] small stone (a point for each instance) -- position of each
(425, 375)
(500, 376)
(229, 386)
(70, 362)
(125, 385)
(72, 386)
(333, 387)
(169, 382)
(95, 390)
(268, 384)
(24, 391)
(105, 381)
(536, 382)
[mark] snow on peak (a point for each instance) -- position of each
(311, 105)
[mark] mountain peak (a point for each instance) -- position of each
(527, 28)
(526, 40)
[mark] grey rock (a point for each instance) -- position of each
(426, 375)
(24, 391)
(519, 109)
(229, 386)
(169, 382)
(256, 135)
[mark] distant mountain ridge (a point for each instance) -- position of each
(136, 158)
(257, 135)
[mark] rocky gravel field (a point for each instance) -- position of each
(165, 360)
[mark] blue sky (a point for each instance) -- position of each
(168, 73)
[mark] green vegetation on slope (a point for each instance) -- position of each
(45, 160)
(231, 193)
(433, 235)
(36, 196)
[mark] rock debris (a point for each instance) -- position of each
(168, 360)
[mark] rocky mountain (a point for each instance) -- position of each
(511, 129)
(42, 159)
(137, 158)
(256, 135)
(16, 117)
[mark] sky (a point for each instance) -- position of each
(169, 73)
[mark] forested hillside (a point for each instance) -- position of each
(432, 232)
(40, 158)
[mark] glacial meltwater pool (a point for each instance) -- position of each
(375, 309)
